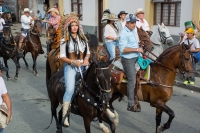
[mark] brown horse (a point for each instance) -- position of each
(8, 49)
(89, 102)
(159, 88)
(145, 41)
(32, 44)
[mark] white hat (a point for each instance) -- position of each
(27, 10)
(139, 10)
(1, 12)
(54, 10)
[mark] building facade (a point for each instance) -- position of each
(173, 13)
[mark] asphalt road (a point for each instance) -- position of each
(31, 107)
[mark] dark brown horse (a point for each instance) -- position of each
(8, 49)
(32, 44)
(145, 41)
(159, 88)
(90, 99)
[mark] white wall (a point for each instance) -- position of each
(129, 6)
(186, 15)
(90, 11)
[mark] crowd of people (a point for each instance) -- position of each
(120, 31)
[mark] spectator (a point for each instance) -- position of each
(2, 21)
(45, 7)
(56, 6)
(5, 102)
(39, 15)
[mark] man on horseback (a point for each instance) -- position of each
(2, 21)
(74, 52)
(54, 20)
(141, 21)
(129, 50)
(122, 21)
(26, 21)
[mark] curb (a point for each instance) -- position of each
(188, 87)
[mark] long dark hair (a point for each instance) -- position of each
(75, 41)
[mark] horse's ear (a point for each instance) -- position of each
(141, 28)
(158, 25)
(163, 24)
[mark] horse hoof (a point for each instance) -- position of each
(20, 69)
(159, 129)
(8, 79)
(15, 78)
(27, 67)
(59, 131)
(36, 74)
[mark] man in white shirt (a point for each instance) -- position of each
(2, 22)
(26, 21)
(141, 21)
(122, 21)
(5, 101)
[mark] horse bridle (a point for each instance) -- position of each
(162, 36)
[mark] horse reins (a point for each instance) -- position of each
(162, 37)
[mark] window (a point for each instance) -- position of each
(167, 11)
(77, 7)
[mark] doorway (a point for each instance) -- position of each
(21, 4)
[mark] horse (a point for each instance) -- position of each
(160, 37)
(54, 62)
(145, 42)
(8, 49)
(88, 100)
(32, 44)
(159, 88)
(7, 17)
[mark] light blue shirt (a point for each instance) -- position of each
(128, 39)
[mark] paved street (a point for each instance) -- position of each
(31, 107)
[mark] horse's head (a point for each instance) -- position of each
(165, 36)
(186, 61)
(38, 27)
(144, 39)
(100, 76)
(93, 44)
(50, 34)
(7, 34)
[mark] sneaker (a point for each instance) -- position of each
(192, 82)
(130, 108)
(185, 82)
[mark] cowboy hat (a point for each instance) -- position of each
(139, 10)
(120, 13)
(112, 16)
(54, 10)
(27, 10)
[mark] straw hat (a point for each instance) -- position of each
(54, 10)
(112, 16)
(139, 10)
(27, 10)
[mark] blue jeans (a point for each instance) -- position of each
(26, 31)
(70, 75)
(194, 66)
(111, 48)
(1, 130)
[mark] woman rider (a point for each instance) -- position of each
(74, 52)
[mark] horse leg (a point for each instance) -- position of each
(167, 110)
(106, 119)
(158, 118)
(25, 62)
(6, 64)
(59, 126)
(103, 127)
(34, 57)
(17, 66)
(87, 122)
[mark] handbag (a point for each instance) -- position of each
(143, 62)
(3, 115)
(196, 56)
(117, 76)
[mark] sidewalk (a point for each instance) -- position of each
(178, 81)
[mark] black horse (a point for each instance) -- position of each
(90, 99)
(8, 49)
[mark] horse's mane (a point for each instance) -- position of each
(93, 41)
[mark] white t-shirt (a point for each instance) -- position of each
(3, 89)
(145, 25)
(71, 47)
(123, 24)
(109, 31)
(194, 42)
(2, 21)
(26, 21)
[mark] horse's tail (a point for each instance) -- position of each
(48, 72)
(51, 120)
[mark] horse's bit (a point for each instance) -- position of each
(163, 37)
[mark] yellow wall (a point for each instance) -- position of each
(105, 4)
(61, 7)
(196, 11)
(149, 11)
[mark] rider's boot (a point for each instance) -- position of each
(65, 114)
(20, 50)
